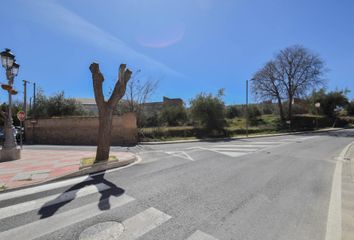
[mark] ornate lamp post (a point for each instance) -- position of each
(9, 150)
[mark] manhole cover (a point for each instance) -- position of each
(103, 231)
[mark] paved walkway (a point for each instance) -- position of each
(348, 196)
(42, 165)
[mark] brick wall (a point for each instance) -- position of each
(79, 130)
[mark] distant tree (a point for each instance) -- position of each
(105, 108)
(293, 73)
(173, 115)
(266, 85)
(56, 106)
(350, 108)
(233, 111)
(137, 94)
(329, 102)
(209, 111)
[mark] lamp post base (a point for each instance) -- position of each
(8, 154)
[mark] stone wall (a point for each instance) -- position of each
(79, 130)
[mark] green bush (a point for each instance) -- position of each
(208, 111)
(233, 111)
(56, 106)
(350, 108)
(330, 102)
(311, 122)
(173, 115)
(253, 115)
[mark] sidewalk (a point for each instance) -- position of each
(37, 166)
(348, 195)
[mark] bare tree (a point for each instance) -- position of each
(266, 86)
(105, 108)
(294, 72)
(138, 93)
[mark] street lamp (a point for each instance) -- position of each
(9, 149)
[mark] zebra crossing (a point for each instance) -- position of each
(133, 227)
(242, 148)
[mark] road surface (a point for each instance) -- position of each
(261, 188)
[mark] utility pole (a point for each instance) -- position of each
(34, 100)
(25, 96)
(247, 108)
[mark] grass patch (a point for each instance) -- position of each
(89, 161)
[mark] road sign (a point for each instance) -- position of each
(21, 115)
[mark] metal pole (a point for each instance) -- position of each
(21, 137)
(10, 141)
(34, 100)
(247, 108)
(25, 96)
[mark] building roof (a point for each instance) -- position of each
(86, 101)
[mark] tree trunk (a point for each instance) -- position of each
(281, 111)
(104, 134)
(290, 115)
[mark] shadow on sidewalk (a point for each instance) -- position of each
(51, 207)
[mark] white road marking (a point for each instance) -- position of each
(48, 225)
(63, 183)
(181, 154)
(334, 221)
(236, 149)
(50, 200)
(232, 154)
(199, 235)
(42, 188)
(241, 146)
(142, 223)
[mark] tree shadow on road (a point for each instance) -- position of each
(51, 207)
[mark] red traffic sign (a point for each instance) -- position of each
(21, 115)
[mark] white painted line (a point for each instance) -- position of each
(142, 223)
(48, 225)
(236, 149)
(199, 235)
(50, 200)
(264, 143)
(232, 154)
(64, 183)
(241, 146)
(42, 188)
(334, 221)
(180, 154)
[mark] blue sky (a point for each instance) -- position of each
(190, 46)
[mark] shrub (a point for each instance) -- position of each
(232, 111)
(208, 111)
(173, 115)
(254, 114)
(350, 108)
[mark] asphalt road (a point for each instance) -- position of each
(261, 188)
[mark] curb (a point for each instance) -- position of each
(235, 138)
(85, 171)
(334, 220)
(99, 168)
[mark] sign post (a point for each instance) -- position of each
(21, 115)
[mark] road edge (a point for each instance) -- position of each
(242, 137)
(334, 219)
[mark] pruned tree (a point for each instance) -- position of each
(294, 72)
(105, 108)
